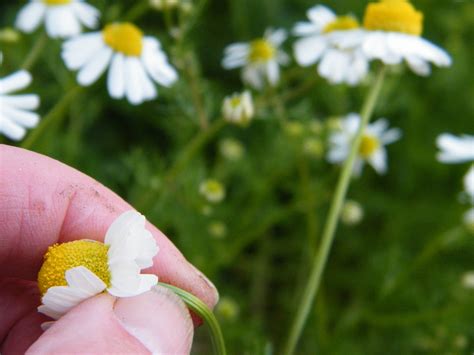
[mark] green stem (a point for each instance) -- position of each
(55, 114)
(35, 52)
(205, 313)
(321, 257)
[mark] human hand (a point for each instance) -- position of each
(43, 202)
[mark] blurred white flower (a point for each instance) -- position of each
(63, 18)
(468, 219)
(231, 149)
(260, 59)
(334, 42)
(455, 149)
(134, 59)
(15, 110)
(352, 213)
(393, 35)
(468, 279)
(212, 190)
(372, 147)
(238, 108)
(469, 184)
(163, 4)
(114, 266)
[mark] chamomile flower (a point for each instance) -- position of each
(238, 108)
(15, 110)
(393, 35)
(260, 58)
(469, 184)
(334, 42)
(212, 190)
(75, 271)
(372, 147)
(62, 18)
(133, 60)
(455, 149)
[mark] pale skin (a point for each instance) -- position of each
(43, 202)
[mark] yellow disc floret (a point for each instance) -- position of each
(341, 23)
(368, 146)
(394, 16)
(61, 257)
(124, 37)
(261, 51)
(56, 2)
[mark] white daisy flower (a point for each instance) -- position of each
(469, 184)
(15, 110)
(455, 149)
(334, 42)
(75, 271)
(238, 108)
(212, 190)
(134, 59)
(393, 35)
(62, 18)
(260, 58)
(372, 147)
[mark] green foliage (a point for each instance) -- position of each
(393, 282)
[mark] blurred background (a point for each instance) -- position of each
(396, 278)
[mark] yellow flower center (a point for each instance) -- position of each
(394, 16)
(235, 101)
(368, 146)
(341, 23)
(61, 257)
(261, 51)
(124, 37)
(56, 2)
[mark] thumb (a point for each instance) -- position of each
(156, 321)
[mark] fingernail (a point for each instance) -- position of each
(158, 319)
(208, 283)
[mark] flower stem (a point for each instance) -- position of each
(35, 52)
(205, 313)
(321, 256)
(55, 114)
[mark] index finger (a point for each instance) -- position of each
(43, 202)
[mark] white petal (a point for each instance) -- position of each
(94, 69)
(252, 75)
(378, 160)
(87, 14)
(273, 72)
(392, 135)
(11, 129)
(375, 46)
(147, 281)
(16, 81)
(418, 66)
(26, 101)
(125, 279)
(455, 149)
(82, 278)
(305, 29)
(61, 22)
(21, 117)
(333, 65)
(82, 284)
(309, 50)
(156, 64)
(116, 77)
(120, 227)
(133, 88)
(30, 16)
(276, 37)
(79, 50)
(321, 15)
